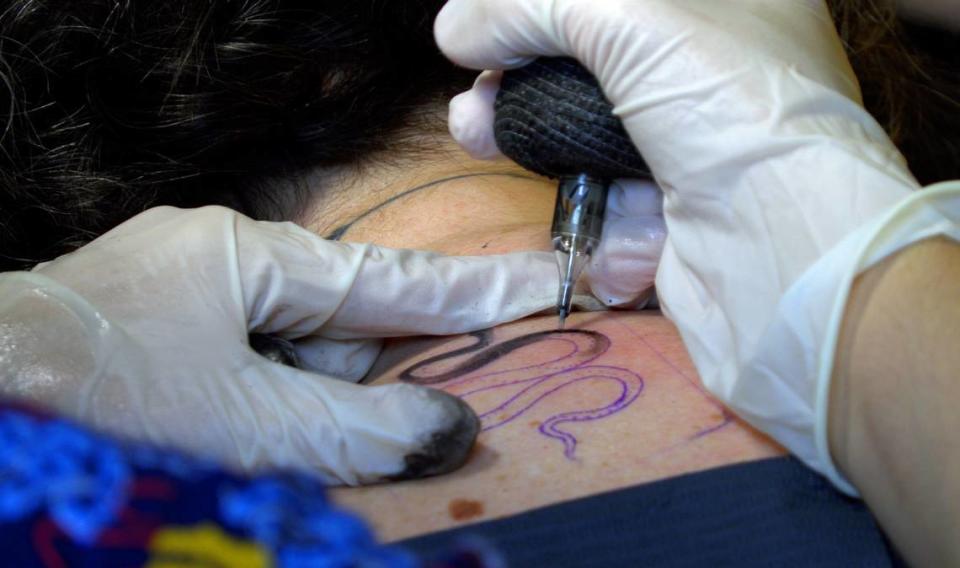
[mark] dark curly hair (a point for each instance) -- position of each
(109, 107)
(910, 77)
(114, 106)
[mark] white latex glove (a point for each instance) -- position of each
(622, 270)
(143, 333)
(751, 120)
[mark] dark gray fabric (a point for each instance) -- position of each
(773, 512)
(553, 119)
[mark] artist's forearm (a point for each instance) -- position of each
(894, 424)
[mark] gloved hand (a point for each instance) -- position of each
(143, 333)
(751, 120)
(622, 270)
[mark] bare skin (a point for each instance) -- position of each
(635, 413)
(893, 418)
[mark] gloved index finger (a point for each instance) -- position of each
(297, 284)
(403, 292)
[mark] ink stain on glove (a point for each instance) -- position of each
(275, 348)
(448, 448)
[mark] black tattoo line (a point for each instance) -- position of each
(338, 233)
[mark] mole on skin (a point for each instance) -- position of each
(463, 509)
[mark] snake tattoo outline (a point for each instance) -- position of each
(466, 372)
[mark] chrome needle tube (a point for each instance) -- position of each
(552, 118)
(576, 231)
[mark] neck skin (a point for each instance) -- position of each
(442, 201)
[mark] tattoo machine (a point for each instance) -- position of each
(552, 118)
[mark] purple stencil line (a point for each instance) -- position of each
(449, 361)
(631, 389)
(693, 382)
(574, 351)
(518, 404)
(539, 366)
(549, 388)
(728, 418)
(544, 379)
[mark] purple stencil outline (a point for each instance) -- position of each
(728, 417)
(539, 386)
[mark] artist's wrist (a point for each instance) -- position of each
(891, 419)
(845, 408)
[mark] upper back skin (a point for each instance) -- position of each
(610, 402)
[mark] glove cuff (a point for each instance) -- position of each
(932, 212)
(799, 347)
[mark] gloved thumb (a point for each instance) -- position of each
(346, 433)
(471, 117)
(622, 271)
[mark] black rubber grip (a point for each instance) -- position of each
(552, 118)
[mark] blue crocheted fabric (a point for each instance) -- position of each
(69, 497)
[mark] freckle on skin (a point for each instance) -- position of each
(534, 423)
(463, 509)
